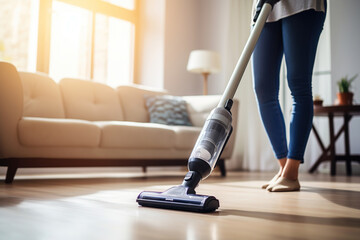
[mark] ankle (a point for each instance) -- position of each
(291, 169)
(282, 163)
(290, 176)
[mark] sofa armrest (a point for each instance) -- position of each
(11, 108)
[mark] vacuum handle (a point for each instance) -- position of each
(245, 55)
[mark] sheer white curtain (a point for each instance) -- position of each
(253, 151)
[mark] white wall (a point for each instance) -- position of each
(193, 25)
(213, 35)
(181, 36)
(150, 45)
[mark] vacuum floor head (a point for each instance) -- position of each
(178, 198)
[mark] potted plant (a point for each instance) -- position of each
(345, 97)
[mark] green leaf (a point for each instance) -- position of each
(345, 84)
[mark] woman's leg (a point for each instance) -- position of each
(301, 34)
(266, 60)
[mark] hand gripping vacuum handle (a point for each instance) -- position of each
(217, 129)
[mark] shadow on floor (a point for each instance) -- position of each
(280, 217)
(346, 198)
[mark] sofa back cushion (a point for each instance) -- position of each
(42, 97)
(199, 107)
(132, 98)
(90, 100)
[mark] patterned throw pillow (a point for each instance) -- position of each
(169, 110)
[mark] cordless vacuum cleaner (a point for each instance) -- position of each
(212, 138)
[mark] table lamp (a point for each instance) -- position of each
(204, 62)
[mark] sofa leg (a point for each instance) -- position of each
(221, 165)
(10, 174)
(144, 170)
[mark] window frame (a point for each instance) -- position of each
(95, 6)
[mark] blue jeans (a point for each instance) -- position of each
(296, 37)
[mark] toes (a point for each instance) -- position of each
(271, 182)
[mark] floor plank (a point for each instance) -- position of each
(104, 207)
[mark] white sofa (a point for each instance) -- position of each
(79, 123)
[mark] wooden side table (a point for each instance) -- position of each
(329, 153)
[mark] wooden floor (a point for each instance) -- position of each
(104, 207)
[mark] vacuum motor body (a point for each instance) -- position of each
(211, 142)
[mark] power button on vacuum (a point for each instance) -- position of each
(188, 176)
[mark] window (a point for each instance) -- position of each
(70, 38)
(92, 41)
(70, 44)
(129, 4)
(18, 33)
(113, 50)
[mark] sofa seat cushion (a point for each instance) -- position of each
(186, 136)
(122, 134)
(53, 132)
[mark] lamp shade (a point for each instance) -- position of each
(203, 61)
